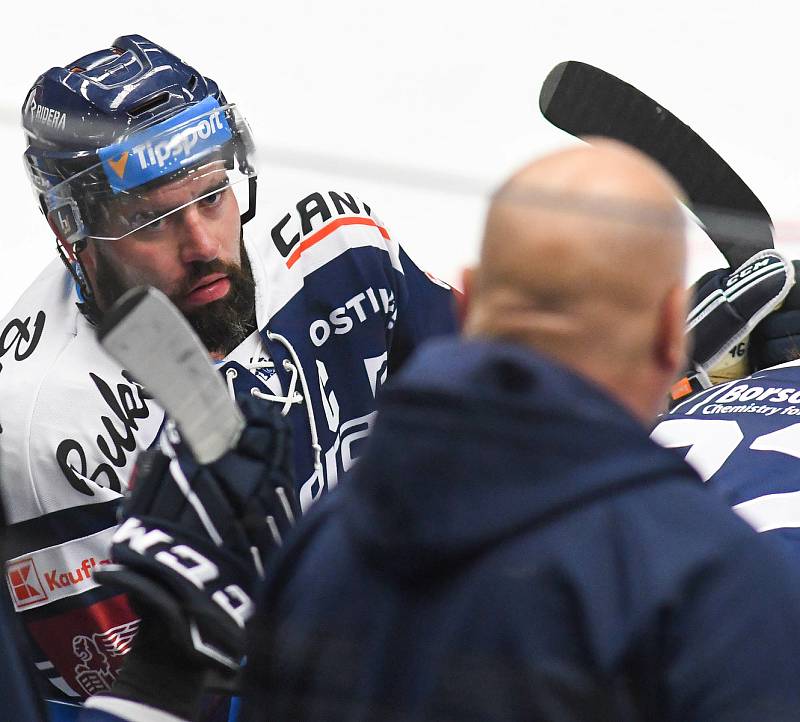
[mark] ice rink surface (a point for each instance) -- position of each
(422, 107)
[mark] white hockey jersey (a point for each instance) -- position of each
(336, 299)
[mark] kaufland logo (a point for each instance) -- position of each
(63, 570)
(56, 579)
(24, 583)
(27, 587)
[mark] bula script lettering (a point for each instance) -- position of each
(128, 405)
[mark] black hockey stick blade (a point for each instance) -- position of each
(150, 337)
(586, 101)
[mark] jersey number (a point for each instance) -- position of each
(712, 441)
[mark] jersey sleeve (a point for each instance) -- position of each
(339, 301)
(429, 310)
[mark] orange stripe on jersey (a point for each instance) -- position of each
(327, 230)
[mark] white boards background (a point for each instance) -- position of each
(422, 107)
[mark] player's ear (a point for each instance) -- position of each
(670, 341)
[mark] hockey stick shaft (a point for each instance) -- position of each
(151, 338)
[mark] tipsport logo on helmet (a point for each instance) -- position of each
(167, 147)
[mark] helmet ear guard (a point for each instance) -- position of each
(67, 218)
(69, 248)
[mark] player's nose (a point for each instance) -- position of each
(198, 242)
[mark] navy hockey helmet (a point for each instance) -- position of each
(114, 123)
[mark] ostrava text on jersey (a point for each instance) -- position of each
(338, 304)
(743, 438)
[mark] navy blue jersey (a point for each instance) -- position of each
(743, 438)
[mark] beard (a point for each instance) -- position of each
(222, 324)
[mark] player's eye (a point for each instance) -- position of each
(212, 198)
(148, 221)
(156, 225)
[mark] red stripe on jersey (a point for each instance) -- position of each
(327, 230)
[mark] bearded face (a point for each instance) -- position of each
(221, 324)
(187, 244)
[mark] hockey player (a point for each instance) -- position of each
(146, 174)
(742, 432)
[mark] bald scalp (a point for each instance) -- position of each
(581, 251)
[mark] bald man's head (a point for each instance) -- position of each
(583, 258)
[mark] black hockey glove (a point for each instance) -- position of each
(728, 305)
(194, 540)
(776, 339)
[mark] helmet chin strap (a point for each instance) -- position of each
(250, 213)
(70, 255)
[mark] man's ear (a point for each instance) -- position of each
(670, 342)
(465, 299)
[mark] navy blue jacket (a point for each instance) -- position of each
(512, 546)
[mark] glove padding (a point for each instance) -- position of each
(776, 339)
(728, 305)
(195, 539)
